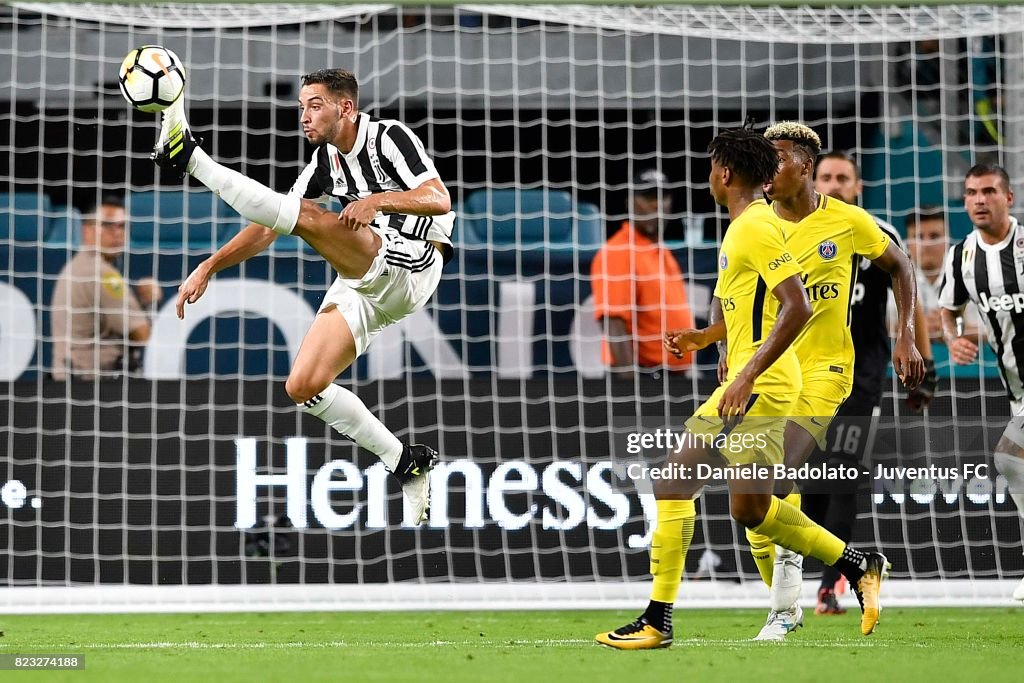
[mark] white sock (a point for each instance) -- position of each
(251, 199)
(787, 580)
(343, 411)
(1012, 468)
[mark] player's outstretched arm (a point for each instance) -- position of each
(250, 241)
(682, 341)
(906, 359)
(794, 312)
(429, 199)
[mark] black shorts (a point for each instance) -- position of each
(850, 437)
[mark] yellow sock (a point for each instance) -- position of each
(792, 529)
(762, 549)
(669, 543)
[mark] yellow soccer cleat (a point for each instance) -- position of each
(867, 591)
(638, 635)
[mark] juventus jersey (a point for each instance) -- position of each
(386, 157)
(992, 276)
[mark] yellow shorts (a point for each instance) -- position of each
(757, 439)
(817, 404)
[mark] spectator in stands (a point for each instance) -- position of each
(927, 243)
(97, 321)
(638, 286)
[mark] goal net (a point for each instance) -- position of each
(192, 482)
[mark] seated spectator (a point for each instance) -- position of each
(97, 321)
(638, 286)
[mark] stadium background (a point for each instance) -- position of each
(536, 124)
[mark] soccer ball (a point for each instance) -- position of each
(151, 78)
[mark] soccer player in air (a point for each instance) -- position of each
(828, 238)
(838, 176)
(763, 384)
(987, 267)
(388, 246)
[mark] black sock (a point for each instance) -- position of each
(404, 464)
(659, 615)
(816, 507)
(852, 563)
(842, 514)
(829, 576)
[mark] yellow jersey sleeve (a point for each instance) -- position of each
(769, 256)
(869, 240)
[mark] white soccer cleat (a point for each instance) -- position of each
(413, 471)
(787, 580)
(417, 491)
(175, 146)
(171, 118)
(781, 624)
(1018, 592)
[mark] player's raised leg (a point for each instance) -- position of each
(177, 151)
(350, 252)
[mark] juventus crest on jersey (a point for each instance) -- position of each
(386, 157)
(992, 276)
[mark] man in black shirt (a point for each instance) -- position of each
(837, 175)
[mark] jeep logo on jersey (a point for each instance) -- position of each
(723, 262)
(828, 250)
(1013, 303)
(775, 263)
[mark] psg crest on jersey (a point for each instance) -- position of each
(723, 262)
(828, 250)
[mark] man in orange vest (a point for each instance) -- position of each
(638, 287)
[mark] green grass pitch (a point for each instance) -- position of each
(932, 645)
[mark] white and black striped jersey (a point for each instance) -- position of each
(386, 157)
(992, 276)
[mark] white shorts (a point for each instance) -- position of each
(401, 279)
(1015, 428)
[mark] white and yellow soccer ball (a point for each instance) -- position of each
(151, 78)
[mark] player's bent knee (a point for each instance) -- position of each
(747, 512)
(664, 487)
(301, 388)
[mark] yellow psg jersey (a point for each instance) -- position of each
(828, 244)
(753, 260)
